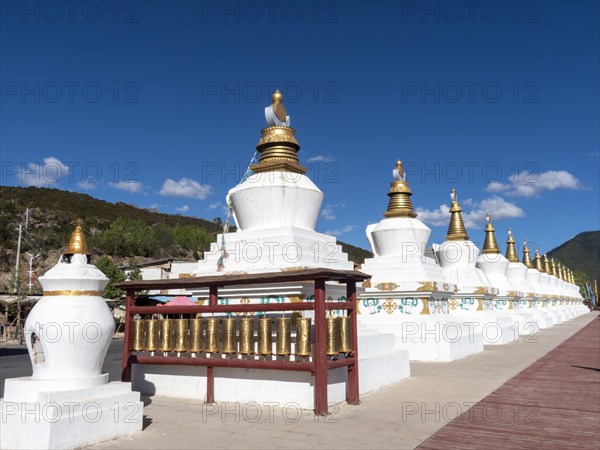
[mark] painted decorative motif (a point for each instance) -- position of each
(439, 305)
(453, 304)
(470, 304)
(430, 286)
(386, 286)
(389, 306)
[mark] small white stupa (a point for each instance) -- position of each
(516, 273)
(540, 293)
(494, 266)
(68, 401)
(458, 256)
(408, 292)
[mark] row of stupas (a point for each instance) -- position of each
(456, 285)
(420, 304)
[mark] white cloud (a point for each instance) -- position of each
(46, 174)
(497, 206)
(596, 154)
(219, 205)
(527, 184)
(86, 185)
(320, 158)
(339, 232)
(133, 187)
(327, 213)
(184, 208)
(186, 187)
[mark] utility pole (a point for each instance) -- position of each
(26, 218)
(18, 257)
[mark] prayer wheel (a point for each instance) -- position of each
(283, 331)
(345, 335)
(166, 335)
(333, 336)
(247, 336)
(181, 335)
(265, 338)
(151, 335)
(229, 345)
(303, 336)
(196, 341)
(137, 341)
(212, 335)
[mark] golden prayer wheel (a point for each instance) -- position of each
(345, 335)
(283, 331)
(137, 341)
(196, 341)
(229, 345)
(151, 335)
(303, 336)
(166, 335)
(181, 335)
(247, 336)
(333, 336)
(212, 335)
(265, 337)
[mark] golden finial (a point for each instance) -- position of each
(399, 193)
(539, 265)
(278, 147)
(526, 256)
(572, 275)
(554, 269)
(511, 251)
(456, 229)
(77, 244)
(561, 271)
(547, 267)
(278, 107)
(490, 245)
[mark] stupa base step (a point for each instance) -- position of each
(433, 341)
(67, 418)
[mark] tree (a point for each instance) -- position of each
(115, 275)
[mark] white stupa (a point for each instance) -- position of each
(494, 266)
(276, 210)
(68, 401)
(538, 301)
(524, 307)
(458, 256)
(408, 292)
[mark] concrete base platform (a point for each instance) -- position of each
(66, 419)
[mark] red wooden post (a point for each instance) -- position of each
(210, 376)
(353, 392)
(320, 350)
(125, 363)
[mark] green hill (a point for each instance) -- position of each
(582, 253)
(120, 230)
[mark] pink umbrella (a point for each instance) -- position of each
(179, 301)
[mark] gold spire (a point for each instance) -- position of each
(511, 251)
(572, 276)
(399, 193)
(77, 244)
(547, 267)
(456, 229)
(490, 245)
(554, 270)
(526, 257)
(561, 271)
(278, 146)
(539, 265)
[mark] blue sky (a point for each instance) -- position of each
(160, 104)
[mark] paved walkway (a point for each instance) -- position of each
(554, 403)
(400, 416)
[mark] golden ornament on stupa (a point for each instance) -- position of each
(399, 193)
